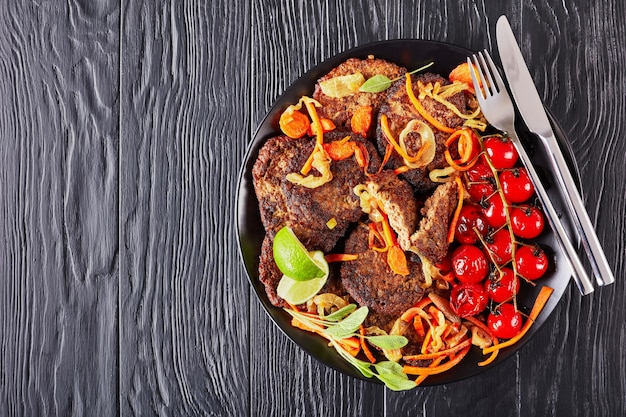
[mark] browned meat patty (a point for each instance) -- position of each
(397, 201)
(431, 237)
(270, 276)
(370, 281)
(400, 111)
(340, 110)
(307, 210)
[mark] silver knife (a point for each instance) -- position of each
(532, 110)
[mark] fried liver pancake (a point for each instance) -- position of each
(371, 282)
(340, 110)
(397, 200)
(400, 111)
(431, 237)
(308, 210)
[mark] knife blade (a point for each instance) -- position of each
(534, 115)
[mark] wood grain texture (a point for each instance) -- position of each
(58, 203)
(123, 125)
(546, 377)
(183, 327)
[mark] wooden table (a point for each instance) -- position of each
(123, 126)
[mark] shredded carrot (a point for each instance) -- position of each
(462, 74)
(420, 370)
(362, 157)
(341, 257)
(433, 364)
(397, 260)
(388, 152)
(294, 123)
(467, 147)
(319, 136)
(427, 340)
(374, 235)
(494, 339)
(340, 150)
(364, 347)
(352, 345)
(457, 212)
(421, 110)
(361, 120)
(540, 302)
(384, 124)
(306, 168)
(327, 126)
(401, 170)
(319, 130)
(418, 325)
(444, 353)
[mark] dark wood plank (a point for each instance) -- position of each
(578, 358)
(184, 331)
(284, 380)
(59, 186)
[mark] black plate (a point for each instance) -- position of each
(410, 54)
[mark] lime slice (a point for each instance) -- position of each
(298, 292)
(294, 260)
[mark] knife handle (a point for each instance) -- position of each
(576, 207)
(578, 270)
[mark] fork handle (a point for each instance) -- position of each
(576, 207)
(579, 273)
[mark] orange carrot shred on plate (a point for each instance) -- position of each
(421, 110)
(397, 260)
(364, 347)
(433, 364)
(482, 326)
(361, 120)
(327, 126)
(418, 325)
(294, 123)
(457, 212)
(462, 74)
(443, 353)
(341, 257)
(421, 370)
(540, 302)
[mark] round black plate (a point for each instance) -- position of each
(410, 54)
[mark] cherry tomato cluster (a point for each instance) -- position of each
(493, 234)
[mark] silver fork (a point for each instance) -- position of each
(497, 107)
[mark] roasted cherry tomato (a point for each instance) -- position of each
(500, 246)
(502, 287)
(468, 299)
(471, 221)
(480, 181)
(516, 185)
(494, 211)
(527, 221)
(501, 151)
(469, 264)
(505, 322)
(531, 262)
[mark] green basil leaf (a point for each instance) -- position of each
(376, 84)
(363, 367)
(396, 382)
(388, 342)
(341, 313)
(390, 367)
(349, 325)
